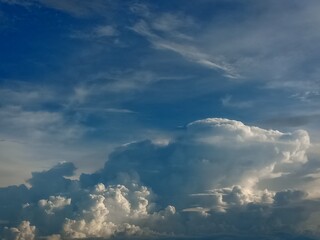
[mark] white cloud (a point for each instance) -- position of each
(212, 153)
(54, 203)
(222, 199)
(25, 94)
(53, 237)
(99, 33)
(211, 173)
(78, 8)
(260, 49)
(228, 101)
(264, 48)
(105, 31)
(37, 124)
(206, 181)
(168, 22)
(113, 83)
(172, 39)
(19, 2)
(111, 211)
(23, 232)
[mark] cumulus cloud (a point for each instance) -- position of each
(212, 153)
(204, 182)
(23, 232)
(108, 211)
(54, 203)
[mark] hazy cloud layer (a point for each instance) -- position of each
(203, 183)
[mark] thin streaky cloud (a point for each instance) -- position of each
(229, 101)
(189, 52)
(106, 110)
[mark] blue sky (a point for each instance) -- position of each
(81, 81)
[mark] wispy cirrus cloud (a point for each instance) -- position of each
(228, 101)
(76, 8)
(163, 32)
(98, 33)
(38, 124)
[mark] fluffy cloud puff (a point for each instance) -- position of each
(212, 153)
(204, 182)
(23, 232)
(54, 203)
(114, 210)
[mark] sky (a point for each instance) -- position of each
(159, 119)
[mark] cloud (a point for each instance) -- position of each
(228, 101)
(42, 125)
(217, 172)
(18, 2)
(202, 183)
(211, 147)
(54, 203)
(237, 43)
(164, 33)
(264, 48)
(16, 92)
(38, 124)
(47, 183)
(288, 196)
(74, 7)
(104, 110)
(23, 232)
(98, 33)
(107, 212)
(105, 31)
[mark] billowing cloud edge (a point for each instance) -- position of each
(204, 182)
